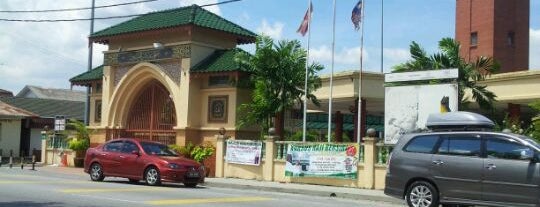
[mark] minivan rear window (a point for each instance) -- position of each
(422, 144)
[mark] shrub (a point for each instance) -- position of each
(197, 153)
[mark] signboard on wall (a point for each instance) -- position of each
(244, 152)
(59, 123)
(407, 107)
(322, 160)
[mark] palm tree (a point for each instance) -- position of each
(470, 73)
(278, 73)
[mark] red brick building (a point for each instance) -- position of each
(495, 28)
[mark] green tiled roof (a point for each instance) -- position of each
(194, 15)
(92, 75)
(48, 108)
(219, 61)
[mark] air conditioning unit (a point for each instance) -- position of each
(459, 121)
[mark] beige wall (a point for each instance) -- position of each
(346, 85)
(516, 86)
(10, 136)
(54, 156)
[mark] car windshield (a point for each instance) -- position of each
(157, 149)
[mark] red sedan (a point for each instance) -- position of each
(141, 160)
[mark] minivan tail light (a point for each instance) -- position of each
(388, 162)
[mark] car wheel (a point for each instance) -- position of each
(152, 176)
(422, 194)
(96, 172)
(190, 185)
(134, 181)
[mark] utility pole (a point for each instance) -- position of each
(90, 51)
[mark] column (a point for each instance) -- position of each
(220, 154)
(268, 166)
(339, 126)
(370, 158)
(514, 112)
(364, 116)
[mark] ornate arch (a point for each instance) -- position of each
(130, 86)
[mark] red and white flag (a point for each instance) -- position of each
(304, 26)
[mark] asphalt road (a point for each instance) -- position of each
(28, 188)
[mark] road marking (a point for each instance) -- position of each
(17, 175)
(206, 200)
(105, 198)
(38, 182)
(102, 190)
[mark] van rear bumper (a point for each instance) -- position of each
(393, 187)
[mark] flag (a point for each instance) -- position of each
(356, 16)
(304, 26)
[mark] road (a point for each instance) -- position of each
(41, 188)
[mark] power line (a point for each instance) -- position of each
(75, 9)
(102, 18)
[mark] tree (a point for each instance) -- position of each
(470, 73)
(277, 73)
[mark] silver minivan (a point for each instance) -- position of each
(459, 165)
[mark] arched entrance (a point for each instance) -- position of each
(152, 115)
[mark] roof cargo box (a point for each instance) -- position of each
(459, 121)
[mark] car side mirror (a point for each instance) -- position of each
(136, 152)
(527, 155)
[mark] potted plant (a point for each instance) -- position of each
(80, 141)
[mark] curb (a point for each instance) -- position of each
(306, 192)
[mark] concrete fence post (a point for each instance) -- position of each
(220, 154)
(268, 167)
(370, 158)
(43, 151)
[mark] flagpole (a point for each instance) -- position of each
(382, 34)
(332, 76)
(359, 110)
(306, 80)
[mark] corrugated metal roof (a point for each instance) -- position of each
(48, 108)
(9, 111)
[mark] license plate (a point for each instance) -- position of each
(193, 174)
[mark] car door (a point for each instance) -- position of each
(109, 157)
(508, 176)
(457, 167)
(131, 164)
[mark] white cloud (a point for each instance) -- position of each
(534, 51)
(346, 56)
(48, 54)
(394, 56)
(215, 9)
(273, 30)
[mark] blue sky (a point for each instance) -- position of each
(48, 54)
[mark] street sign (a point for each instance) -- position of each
(59, 123)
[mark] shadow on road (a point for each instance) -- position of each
(163, 185)
(31, 204)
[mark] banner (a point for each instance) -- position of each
(322, 160)
(243, 152)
